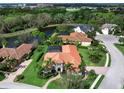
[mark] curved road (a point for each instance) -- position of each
(114, 78)
(14, 85)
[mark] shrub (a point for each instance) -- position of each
(2, 76)
(19, 77)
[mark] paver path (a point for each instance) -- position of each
(114, 78)
(50, 80)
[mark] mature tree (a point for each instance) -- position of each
(43, 19)
(30, 20)
(59, 18)
(69, 18)
(53, 39)
(64, 29)
(1, 24)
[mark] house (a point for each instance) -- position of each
(74, 37)
(67, 55)
(16, 53)
(83, 28)
(108, 28)
(78, 29)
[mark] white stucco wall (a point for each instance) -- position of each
(105, 31)
(85, 43)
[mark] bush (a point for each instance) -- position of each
(2, 76)
(19, 77)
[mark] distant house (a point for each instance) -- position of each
(78, 29)
(16, 53)
(83, 28)
(68, 55)
(108, 28)
(77, 37)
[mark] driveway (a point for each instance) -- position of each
(9, 83)
(98, 70)
(12, 76)
(114, 78)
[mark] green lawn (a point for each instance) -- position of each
(99, 82)
(56, 85)
(85, 53)
(30, 74)
(120, 47)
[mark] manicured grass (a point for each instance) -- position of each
(56, 85)
(85, 53)
(31, 73)
(120, 47)
(2, 76)
(17, 33)
(99, 82)
(109, 61)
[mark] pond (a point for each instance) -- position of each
(28, 38)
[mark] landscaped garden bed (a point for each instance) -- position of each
(85, 52)
(64, 83)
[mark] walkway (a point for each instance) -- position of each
(9, 84)
(114, 78)
(98, 70)
(50, 80)
(12, 76)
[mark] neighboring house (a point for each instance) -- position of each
(68, 54)
(16, 53)
(83, 28)
(78, 29)
(108, 28)
(74, 37)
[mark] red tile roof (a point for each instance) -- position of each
(76, 36)
(68, 55)
(16, 53)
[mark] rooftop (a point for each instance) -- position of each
(16, 53)
(76, 36)
(109, 26)
(69, 55)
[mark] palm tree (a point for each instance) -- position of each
(4, 43)
(70, 81)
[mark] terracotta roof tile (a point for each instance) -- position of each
(76, 36)
(16, 53)
(69, 54)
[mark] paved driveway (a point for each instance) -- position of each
(114, 78)
(12, 76)
(9, 84)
